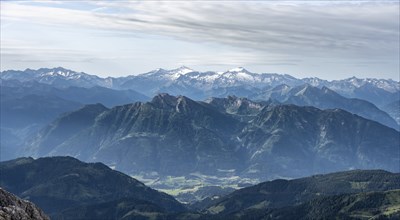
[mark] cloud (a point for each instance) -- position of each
(281, 33)
(229, 59)
(363, 29)
(43, 55)
(264, 26)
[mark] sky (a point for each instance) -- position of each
(325, 39)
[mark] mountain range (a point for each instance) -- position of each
(177, 136)
(201, 137)
(12, 89)
(202, 85)
(29, 105)
(111, 91)
(325, 98)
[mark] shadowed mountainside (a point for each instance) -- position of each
(58, 183)
(281, 193)
(178, 136)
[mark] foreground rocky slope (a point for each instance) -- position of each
(14, 208)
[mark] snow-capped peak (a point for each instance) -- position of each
(238, 69)
(183, 70)
(59, 72)
(240, 74)
(169, 74)
(176, 73)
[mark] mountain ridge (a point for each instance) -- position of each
(98, 192)
(387, 84)
(202, 85)
(143, 137)
(280, 193)
(57, 183)
(325, 98)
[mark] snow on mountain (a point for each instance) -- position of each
(62, 72)
(347, 86)
(240, 74)
(388, 85)
(316, 82)
(237, 77)
(168, 74)
(59, 76)
(183, 70)
(202, 85)
(185, 78)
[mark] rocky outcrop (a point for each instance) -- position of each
(14, 208)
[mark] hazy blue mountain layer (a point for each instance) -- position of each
(178, 136)
(27, 106)
(393, 109)
(325, 98)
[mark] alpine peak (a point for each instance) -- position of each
(183, 70)
(238, 69)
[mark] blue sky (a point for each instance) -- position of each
(326, 39)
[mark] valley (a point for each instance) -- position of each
(66, 188)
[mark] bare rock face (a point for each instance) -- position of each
(14, 208)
